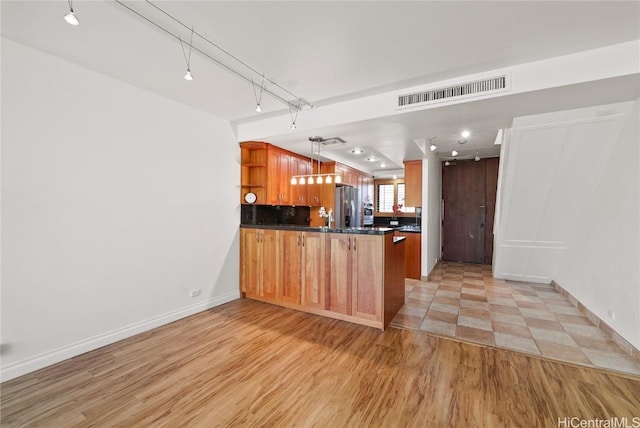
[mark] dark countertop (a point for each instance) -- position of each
(356, 230)
(411, 229)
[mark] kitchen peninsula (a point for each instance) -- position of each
(352, 274)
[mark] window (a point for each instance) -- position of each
(385, 198)
(388, 193)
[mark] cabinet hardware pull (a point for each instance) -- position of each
(298, 239)
(354, 244)
(349, 244)
(304, 238)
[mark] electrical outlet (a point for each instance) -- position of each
(612, 315)
(194, 293)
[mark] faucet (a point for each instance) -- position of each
(330, 217)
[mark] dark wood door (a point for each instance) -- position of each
(468, 188)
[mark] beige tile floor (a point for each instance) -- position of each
(464, 301)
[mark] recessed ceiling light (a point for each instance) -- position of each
(382, 165)
(372, 159)
(395, 177)
(465, 134)
(357, 151)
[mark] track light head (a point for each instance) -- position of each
(72, 19)
(258, 108)
(433, 147)
(477, 158)
(188, 75)
(293, 125)
(454, 153)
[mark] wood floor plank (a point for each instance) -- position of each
(248, 363)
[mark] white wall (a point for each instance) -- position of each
(431, 212)
(569, 208)
(601, 263)
(115, 204)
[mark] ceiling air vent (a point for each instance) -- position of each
(493, 84)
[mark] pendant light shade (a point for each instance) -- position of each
(188, 75)
(454, 153)
(72, 19)
(294, 181)
(310, 180)
(319, 180)
(338, 179)
(328, 181)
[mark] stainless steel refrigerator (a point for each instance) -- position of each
(347, 207)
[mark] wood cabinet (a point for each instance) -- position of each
(258, 253)
(266, 170)
(413, 254)
(279, 179)
(367, 253)
(313, 282)
(290, 267)
(356, 275)
(340, 268)
(413, 183)
(299, 193)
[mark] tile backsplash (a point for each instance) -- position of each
(274, 215)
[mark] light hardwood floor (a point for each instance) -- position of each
(248, 363)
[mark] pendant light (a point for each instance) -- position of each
(454, 153)
(258, 96)
(188, 76)
(71, 17)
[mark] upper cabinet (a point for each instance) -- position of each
(266, 171)
(413, 183)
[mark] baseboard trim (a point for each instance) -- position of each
(631, 350)
(37, 362)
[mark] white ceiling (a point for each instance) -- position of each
(329, 51)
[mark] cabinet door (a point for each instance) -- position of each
(413, 183)
(313, 272)
(368, 273)
(299, 193)
(273, 179)
(314, 195)
(284, 178)
(269, 244)
(250, 261)
(290, 263)
(340, 273)
(413, 255)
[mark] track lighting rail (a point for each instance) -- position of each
(296, 104)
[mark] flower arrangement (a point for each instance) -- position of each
(326, 215)
(397, 208)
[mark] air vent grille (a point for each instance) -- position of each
(461, 90)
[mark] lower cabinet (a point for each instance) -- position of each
(339, 275)
(258, 254)
(301, 268)
(413, 254)
(356, 275)
(367, 253)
